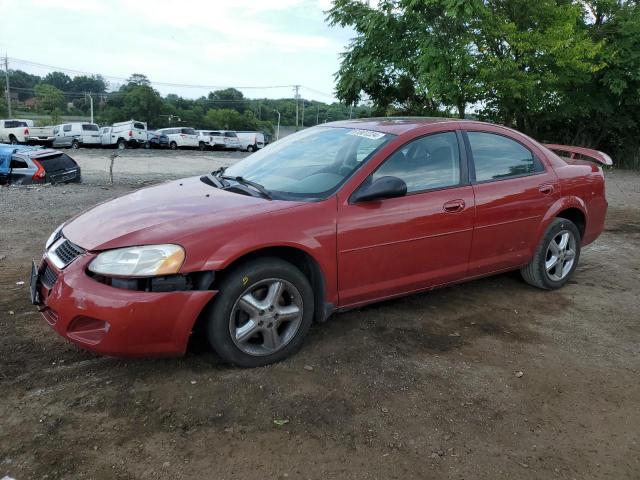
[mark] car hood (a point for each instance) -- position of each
(165, 213)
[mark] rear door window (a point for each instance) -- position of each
(89, 127)
(17, 162)
(230, 134)
(497, 157)
(188, 131)
(138, 125)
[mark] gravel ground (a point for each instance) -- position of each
(421, 387)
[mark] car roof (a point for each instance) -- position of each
(399, 125)
(27, 150)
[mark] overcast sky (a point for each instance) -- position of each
(223, 43)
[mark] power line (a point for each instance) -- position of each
(164, 84)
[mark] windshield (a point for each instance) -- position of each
(310, 164)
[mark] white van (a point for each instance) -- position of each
(251, 141)
(75, 135)
(131, 133)
(181, 137)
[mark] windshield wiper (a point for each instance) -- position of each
(219, 175)
(243, 181)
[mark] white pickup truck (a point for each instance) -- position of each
(16, 131)
(125, 134)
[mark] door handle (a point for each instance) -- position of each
(454, 206)
(546, 189)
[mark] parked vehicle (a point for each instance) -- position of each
(24, 165)
(16, 131)
(181, 137)
(209, 139)
(75, 135)
(131, 133)
(230, 140)
(251, 141)
(157, 140)
(330, 218)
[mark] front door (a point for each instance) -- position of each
(398, 245)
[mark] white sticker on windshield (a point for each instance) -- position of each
(371, 135)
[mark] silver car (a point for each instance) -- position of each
(25, 165)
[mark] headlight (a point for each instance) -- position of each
(144, 261)
(53, 237)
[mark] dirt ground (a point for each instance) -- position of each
(422, 387)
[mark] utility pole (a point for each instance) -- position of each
(317, 113)
(303, 113)
(91, 103)
(296, 88)
(350, 111)
(6, 76)
(278, 130)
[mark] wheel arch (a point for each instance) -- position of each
(572, 208)
(297, 256)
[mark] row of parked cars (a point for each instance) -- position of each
(127, 134)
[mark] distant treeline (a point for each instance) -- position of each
(57, 94)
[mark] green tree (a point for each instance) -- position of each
(229, 98)
(85, 83)
(50, 99)
(60, 80)
(141, 102)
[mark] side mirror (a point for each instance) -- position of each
(383, 187)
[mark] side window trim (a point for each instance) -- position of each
(462, 161)
(539, 164)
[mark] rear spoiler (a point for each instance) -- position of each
(577, 152)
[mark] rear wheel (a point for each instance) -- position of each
(147, 145)
(251, 148)
(201, 146)
(121, 144)
(556, 258)
(173, 145)
(13, 140)
(262, 313)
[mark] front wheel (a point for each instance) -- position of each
(556, 258)
(251, 148)
(75, 144)
(173, 145)
(262, 313)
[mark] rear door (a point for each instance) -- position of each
(513, 191)
(140, 132)
(398, 245)
(20, 171)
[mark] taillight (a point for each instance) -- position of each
(130, 133)
(26, 131)
(40, 173)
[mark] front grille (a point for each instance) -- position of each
(67, 252)
(48, 276)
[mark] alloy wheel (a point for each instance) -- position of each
(266, 317)
(561, 254)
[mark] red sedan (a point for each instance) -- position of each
(327, 219)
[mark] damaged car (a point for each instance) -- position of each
(328, 219)
(25, 165)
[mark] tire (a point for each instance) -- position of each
(554, 260)
(173, 145)
(201, 146)
(268, 338)
(75, 144)
(121, 145)
(13, 140)
(251, 148)
(147, 145)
